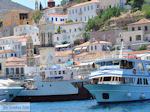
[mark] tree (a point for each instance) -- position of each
(65, 42)
(37, 16)
(95, 23)
(1, 23)
(69, 21)
(135, 4)
(77, 42)
(143, 47)
(145, 8)
(59, 30)
(85, 36)
(147, 14)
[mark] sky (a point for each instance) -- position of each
(31, 3)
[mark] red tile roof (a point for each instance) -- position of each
(142, 21)
(15, 59)
(63, 53)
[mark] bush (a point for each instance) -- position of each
(65, 42)
(58, 30)
(1, 23)
(144, 47)
(77, 42)
(85, 37)
(69, 21)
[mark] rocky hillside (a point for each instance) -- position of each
(8, 5)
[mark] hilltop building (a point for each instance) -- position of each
(14, 18)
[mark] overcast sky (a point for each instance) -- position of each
(31, 3)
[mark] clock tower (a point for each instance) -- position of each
(47, 49)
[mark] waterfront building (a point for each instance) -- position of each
(26, 30)
(69, 32)
(63, 56)
(138, 34)
(82, 12)
(14, 68)
(91, 46)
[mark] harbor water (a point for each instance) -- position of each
(90, 106)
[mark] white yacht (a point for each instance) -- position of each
(120, 80)
(53, 85)
(8, 90)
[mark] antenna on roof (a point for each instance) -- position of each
(121, 55)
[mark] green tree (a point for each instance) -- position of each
(59, 30)
(77, 42)
(37, 16)
(95, 23)
(143, 47)
(136, 4)
(146, 9)
(1, 23)
(65, 42)
(85, 36)
(69, 21)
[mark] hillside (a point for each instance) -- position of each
(8, 5)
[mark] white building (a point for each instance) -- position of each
(138, 34)
(56, 18)
(26, 30)
(83, 11)
(69, 32)
(54, 10)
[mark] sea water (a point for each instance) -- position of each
(90, 106)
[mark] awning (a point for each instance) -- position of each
(77, 49)
(63, 45)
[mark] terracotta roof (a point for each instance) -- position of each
(63, 24)
(82, 54)
(85, 3)
(7, 51)
(60, 15)
(63, 53)
(139, 52)
(14, 64)
(46, 8)
(14, 59)
(93, 43)
(142, 21)
(10, 37)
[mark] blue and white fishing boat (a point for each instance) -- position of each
(120, 80)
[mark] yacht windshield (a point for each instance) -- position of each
(108, 63)
(124, 64)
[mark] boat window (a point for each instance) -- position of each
(123, 80)
(148, 67)
(126, 64)
(95, 81)
(59, 72)
(100, 79)
(140, 67)
(145, 81)
(113, 79)
(107, 79)
(128, 80)
(139, 81)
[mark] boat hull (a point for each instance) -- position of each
(104, 93)
(82, 94)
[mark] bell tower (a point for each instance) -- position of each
(36, 5)
(51, 3)
(47, 49)
(30, 52)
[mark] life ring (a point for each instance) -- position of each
(134, 71)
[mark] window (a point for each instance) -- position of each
(140, 67)
(139, 81)
(56, 19)
(139, 28)
(91, 47)
(88, 8)
(22, 71)
(107, 79)
(138, 37)
(7, 70)
(17, 70)
(145, 81)
(59, 72)
(133, 28)
(126, 64)
(63, 72)
(91, 7)
(146, 28)
(12, 70)
(95, 47)
(130, 39)
(84, 8)
(58, 38)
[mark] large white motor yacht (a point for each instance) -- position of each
(119, 80)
